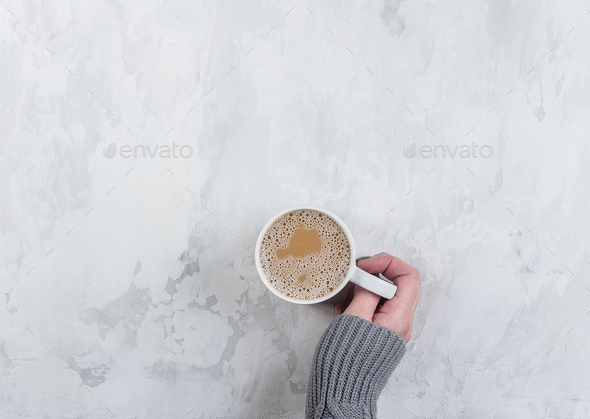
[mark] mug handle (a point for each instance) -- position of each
(373, 283)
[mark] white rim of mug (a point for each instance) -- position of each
(315, 300)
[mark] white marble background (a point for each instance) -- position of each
(128, 282)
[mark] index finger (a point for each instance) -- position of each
(390, 266)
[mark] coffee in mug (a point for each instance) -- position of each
(305, 254)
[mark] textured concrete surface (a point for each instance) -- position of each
(144, 145)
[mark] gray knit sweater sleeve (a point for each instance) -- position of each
(352, 363)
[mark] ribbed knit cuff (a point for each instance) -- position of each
(352, 363)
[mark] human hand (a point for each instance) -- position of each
(396, 314)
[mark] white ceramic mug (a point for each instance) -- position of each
(356, 275)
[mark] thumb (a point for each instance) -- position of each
(363, 304)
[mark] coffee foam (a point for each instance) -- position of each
(324, 271)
